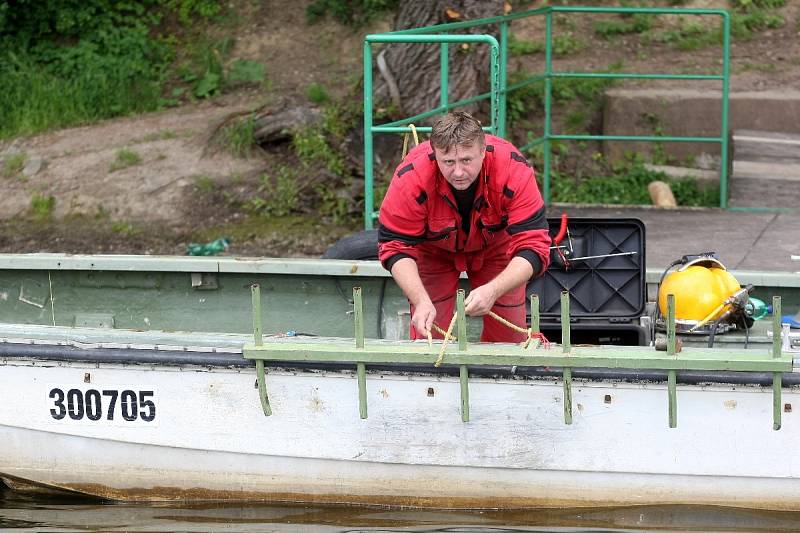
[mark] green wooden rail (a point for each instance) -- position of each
(499, 87)
(568, 358)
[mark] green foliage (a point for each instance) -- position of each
(637, 23)
(354, 13)
(317, 94)
(124, 228)
(188, 9)
(313, 148)
(566, 44)
(627, 184)
(204, 184)
(125, 158)
(690, 34)
(278, 195)
(13, 165)
(42, 206)
(334, 204)
(205, 73)
(521, 47)
(160, 136)
(67, 63)
(244, 71)
(529, 98)
(238, 137)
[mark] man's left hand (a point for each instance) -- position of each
(480, 300)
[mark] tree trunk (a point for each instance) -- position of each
(407, 76)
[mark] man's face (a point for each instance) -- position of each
(461, 164)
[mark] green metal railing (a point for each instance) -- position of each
(499, 88)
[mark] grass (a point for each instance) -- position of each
(125, 158)
(238, 137)
(317, 94)
(278, 194)
(13, 165)
(124, 228)
(42, 206)
(204, 184)
(627, 185)
(160, 136)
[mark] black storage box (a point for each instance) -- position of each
(608, 294)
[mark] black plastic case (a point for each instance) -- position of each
(607, 294)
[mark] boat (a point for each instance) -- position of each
(164, 379)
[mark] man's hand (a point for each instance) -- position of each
(406, 275)
(423, 317)
(480, 300)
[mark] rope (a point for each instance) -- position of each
(531, 335)
(536, 337)
(413, 129)
(447, 336)
(443, 333)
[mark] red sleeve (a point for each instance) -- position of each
(527, 217)
(401, 224)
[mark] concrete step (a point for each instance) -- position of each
(766, 169)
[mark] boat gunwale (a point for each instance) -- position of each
(10, 352)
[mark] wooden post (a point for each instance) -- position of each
(463, 375)
(258, 340)
(673, 398)
(565, 340)
(670, 324)
(358, 317)
(461, 321)
(361, 368)
(255, 293)
(362, 389)
(776, 326)
(535, 315)
(567, 395)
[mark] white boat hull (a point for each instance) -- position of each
(207, 438)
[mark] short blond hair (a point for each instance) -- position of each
(456, 129)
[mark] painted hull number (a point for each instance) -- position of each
(93, 404)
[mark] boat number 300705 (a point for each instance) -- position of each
(93, 404)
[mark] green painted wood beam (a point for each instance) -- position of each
(361, 369)
(631, 357)
(463, 375)
(776, 400)
(567, 395)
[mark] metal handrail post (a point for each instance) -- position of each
(369, 183)
(501, 131)
(723, 163)
(548, 88)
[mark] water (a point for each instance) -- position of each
(20, 512)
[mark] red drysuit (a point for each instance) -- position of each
(419, 219)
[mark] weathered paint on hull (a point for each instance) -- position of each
(210, 440)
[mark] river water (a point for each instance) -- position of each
(19, 512)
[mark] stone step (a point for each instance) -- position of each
(766, 169)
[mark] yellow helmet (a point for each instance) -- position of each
(699, 289)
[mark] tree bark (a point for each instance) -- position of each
(408, 74)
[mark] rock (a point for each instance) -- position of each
(661, 194)
(33, 164)
(280, 125)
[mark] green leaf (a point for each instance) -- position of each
(207, 86)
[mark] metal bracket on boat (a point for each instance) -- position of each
(571, 357)
(255, 291)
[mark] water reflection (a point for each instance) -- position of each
(22, 512)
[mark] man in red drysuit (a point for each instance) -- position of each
(464, 202)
